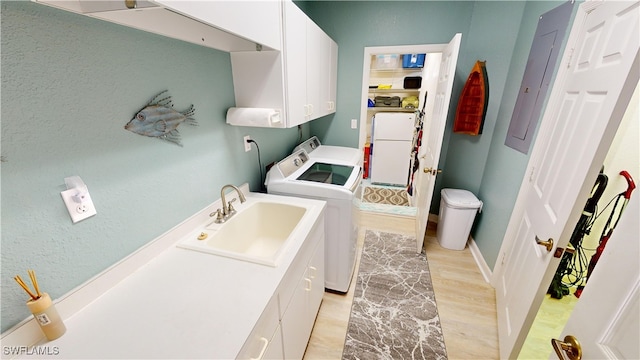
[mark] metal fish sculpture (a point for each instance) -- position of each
(159, 119)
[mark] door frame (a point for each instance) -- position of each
(545, 134)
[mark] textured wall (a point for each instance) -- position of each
(69, 85)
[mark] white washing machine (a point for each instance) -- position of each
(336, 182)
(315, 149)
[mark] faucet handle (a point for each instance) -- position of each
(219, 216)
(230, 209)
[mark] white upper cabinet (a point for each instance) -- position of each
(223, 25)
(280, 58)
(300, 80)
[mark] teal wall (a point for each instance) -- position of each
(500, 32)
(504, 167)
(69, 85)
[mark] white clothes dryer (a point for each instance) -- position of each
(315, 149)
(337, 183)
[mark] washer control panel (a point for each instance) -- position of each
(309, 145)
(293, 162)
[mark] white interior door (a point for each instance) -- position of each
(434, 125)
(606, 320)
(598, 73)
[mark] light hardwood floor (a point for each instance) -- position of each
(466, 303)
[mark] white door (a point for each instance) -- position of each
(432, 138)
(597, 75)
(606, 320)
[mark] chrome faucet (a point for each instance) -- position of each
(227, 210)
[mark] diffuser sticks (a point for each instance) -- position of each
(42, 308)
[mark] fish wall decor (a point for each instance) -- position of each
(158, 119)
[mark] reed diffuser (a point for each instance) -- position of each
(42, 308)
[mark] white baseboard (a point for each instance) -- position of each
(433, 218)
(477, 256)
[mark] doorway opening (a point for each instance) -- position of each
(384, 76)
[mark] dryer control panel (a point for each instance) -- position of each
(293, 162)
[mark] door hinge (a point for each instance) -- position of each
(570, 57)
(533, 171)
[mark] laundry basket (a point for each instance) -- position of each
(458, 210)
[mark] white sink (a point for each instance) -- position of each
(258, 233)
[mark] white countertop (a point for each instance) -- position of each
(182, 304)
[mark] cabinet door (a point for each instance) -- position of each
(315, 272)
(295, 324)
(298, 320)
(317, 68)
(258, 21)
(274, 349)
(333, 75)
(295, 45)
(265, 341)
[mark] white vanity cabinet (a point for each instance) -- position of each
(300, 80)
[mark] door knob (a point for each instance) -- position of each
(432, 171)
(547, 244)
(570, 346)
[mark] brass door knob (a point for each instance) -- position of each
(432, 171)
(548, 244)
(570, 346)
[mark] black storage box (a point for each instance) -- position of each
(387, 101)
(412, 82)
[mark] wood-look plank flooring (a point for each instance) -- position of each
(466, 303)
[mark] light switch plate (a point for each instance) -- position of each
(78, 211)
(354, 123)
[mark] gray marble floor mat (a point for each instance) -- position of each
(394, 313)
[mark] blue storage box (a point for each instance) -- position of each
(413, 60)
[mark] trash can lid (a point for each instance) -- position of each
(461, 199)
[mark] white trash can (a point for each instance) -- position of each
(458, 210)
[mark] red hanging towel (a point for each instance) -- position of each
(472, 105)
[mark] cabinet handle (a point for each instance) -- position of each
(310, 109)
(307, 281)
(312, 273)
(330, 105)
(265, 342)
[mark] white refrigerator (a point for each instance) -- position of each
(391, 152)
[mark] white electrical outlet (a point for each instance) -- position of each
(354, 123)
(78, 210)
(247, 144)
